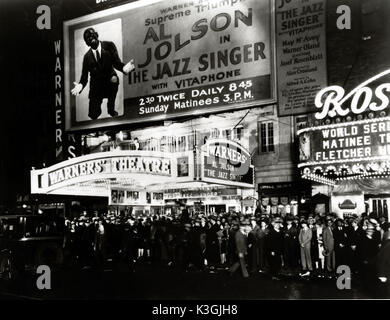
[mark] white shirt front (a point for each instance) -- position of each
(99, 49)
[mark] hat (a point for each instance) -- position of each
(303, 221)
(277, 220)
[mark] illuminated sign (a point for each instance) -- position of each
(352, 140)
(97, 173)
(226, 161)
(179, 70)
(356, 144)
(331, 99)
(351, 148)
(129, 164)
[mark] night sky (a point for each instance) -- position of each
(26, 96)
(27, 66)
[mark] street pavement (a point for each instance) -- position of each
(150, 282)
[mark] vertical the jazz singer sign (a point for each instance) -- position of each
(301, 54)
(190, 57)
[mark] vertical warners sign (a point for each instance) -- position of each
(301, 56)
(190, 57)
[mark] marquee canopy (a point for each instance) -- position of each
(98, 173)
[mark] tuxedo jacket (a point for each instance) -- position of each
(100, 73)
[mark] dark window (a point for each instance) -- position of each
(267, 137)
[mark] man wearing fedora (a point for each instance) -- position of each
(196, 248)
(368, 251)
(383, 264)
(340, 243)
(354, 237)
(275, 247)
(290, 245)
(212, 244)
(253, 240)
(328, 243)
(241, 246)
(305, 236)
(263, 235)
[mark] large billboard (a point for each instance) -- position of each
(189, 57)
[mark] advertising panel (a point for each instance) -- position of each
(301, 55)
(159, 59)
(350, 148)
(226, 162)
(135, 198)
(348, 141)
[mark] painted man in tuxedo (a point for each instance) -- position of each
(100, 63)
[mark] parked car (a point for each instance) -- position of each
(27, 241)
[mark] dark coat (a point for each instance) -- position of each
(354, 236)
(367, 250)
(340, 238)
(275, 242)
(383, 260)
(314, 244)
(291, 236)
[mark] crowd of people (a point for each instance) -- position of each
(290, 245)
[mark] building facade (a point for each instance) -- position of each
(255, 92)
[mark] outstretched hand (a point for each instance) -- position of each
(129, 67)
(77, 88)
